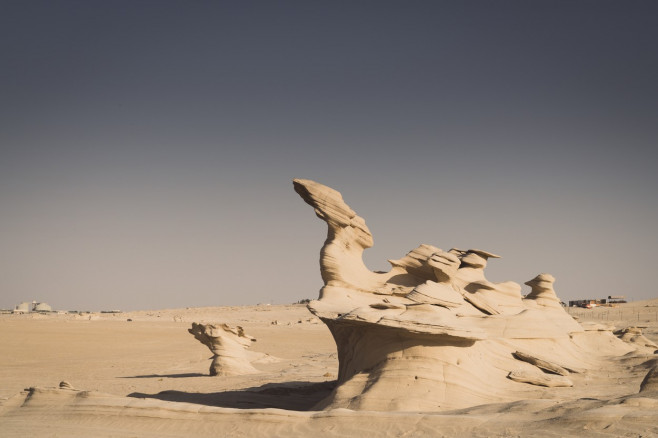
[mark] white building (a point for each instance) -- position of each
(27, 307)
(42, 307)
(23, 307)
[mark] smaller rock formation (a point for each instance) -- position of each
(650, 382)
(542, 291)
(540, 379)
(542, 363)
(634, 336)
(65, 385)
(229, 347)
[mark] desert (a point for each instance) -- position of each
(328, 219)
(429, 348)
(148, 377)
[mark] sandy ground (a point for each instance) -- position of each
(142, 374)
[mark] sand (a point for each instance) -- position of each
(149, 377)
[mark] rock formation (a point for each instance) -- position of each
(650, 381)
(634, 336)
(433, 333)
(65, 385)
(229, 347)
(535, 377)
(542, 292)
(542, 363)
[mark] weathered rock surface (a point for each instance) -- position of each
(539, 378)
(539, 362)
(542, 291)
(229, 347)
(433, 333)
(65, 385)
(634, 336)
(650, 381)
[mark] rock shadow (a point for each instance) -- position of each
(171, 376)
(293, 396)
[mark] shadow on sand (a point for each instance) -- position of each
(171, 376)
(294, 396)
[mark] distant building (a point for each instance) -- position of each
(42, 307)
(27, 307)
(587, 303)
(612, 299)
(23, 307)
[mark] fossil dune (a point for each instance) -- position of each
(429, 348)
(433, 333)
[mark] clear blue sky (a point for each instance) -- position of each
(148, 147)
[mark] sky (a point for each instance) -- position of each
(147, 148)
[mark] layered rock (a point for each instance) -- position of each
(634, 336)
(229, 347)
(433, 333)
(650, 382)
(542, 291)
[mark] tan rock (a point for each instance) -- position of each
(542, 291)
(634, 336)
(540, 379)
(544, 364)
(433, 333)
(228, 345)
(650, 381)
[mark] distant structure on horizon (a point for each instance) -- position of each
(23, 307)
(588, 304)
(27, 307)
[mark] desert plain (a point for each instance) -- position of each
(430, 348)
(141, 374)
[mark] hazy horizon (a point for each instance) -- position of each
(148, 147)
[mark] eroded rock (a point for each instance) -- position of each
(539, 378)
(634, 336)
(229, 347)
(434, 333)
(542, 363)
(650, 381)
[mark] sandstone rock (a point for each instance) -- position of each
(634, 336)
(542, 291)
(433, 333)
(540, 379)
(229, 347)
(442, 292)
(544, 364)
(650, 381)
(65, 385)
